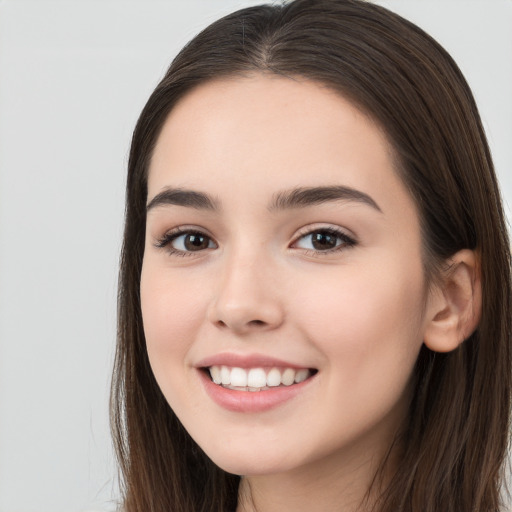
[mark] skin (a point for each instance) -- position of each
(358, 315)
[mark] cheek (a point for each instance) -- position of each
(369, 333)
(172, 311)
(370, 325)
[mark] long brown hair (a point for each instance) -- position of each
(456, 439)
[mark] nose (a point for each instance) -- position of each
(247, 298)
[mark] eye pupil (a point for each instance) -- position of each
(323, 240)
(194, 242)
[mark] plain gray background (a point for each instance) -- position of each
(74, 76)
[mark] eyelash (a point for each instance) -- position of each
(169, 237)
(346, 242)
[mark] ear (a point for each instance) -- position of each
(455, 303)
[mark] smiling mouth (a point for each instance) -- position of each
(257, 379)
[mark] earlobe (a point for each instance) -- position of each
(455, 303)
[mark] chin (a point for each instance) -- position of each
(250, 462)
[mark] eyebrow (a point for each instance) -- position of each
(183, 197)
(308, 196)
(285, 200)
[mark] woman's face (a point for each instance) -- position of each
(283, 257)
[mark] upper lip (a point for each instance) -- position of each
(246, 361)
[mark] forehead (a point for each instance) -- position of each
(264, 132)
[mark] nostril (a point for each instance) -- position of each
(257, 322)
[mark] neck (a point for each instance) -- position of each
(330, 486)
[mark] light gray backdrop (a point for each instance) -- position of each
(74, 75)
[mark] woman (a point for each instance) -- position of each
(315, 285)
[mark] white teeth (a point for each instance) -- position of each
(238, 377)
(301, 375)
(256, 379)
(274, 378)
(288, 377)
(225, 375)
(216, 374)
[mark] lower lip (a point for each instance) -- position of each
(251, 401)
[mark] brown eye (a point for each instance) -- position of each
(195, 242)
(184, 243)
(324, 240)
(191, 242)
